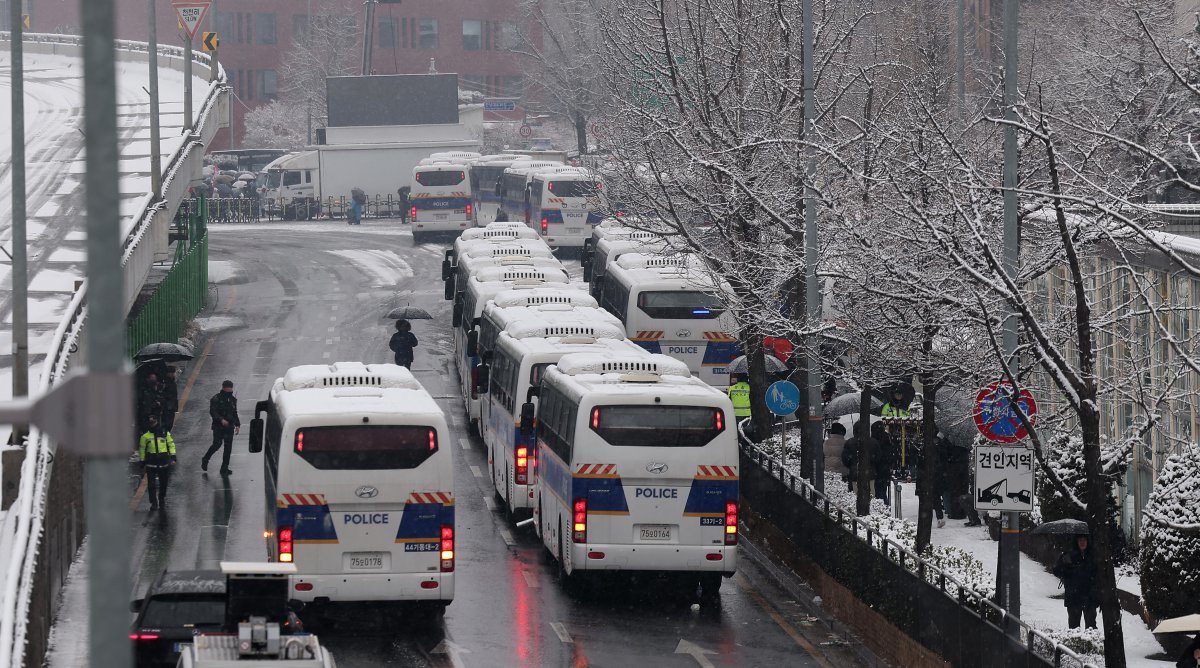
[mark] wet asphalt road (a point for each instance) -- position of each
(317, 292)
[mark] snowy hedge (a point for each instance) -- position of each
(1170, 547)
(1064, 455)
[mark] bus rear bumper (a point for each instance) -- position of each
(346, 587)
(644, 557)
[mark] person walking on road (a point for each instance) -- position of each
(222, 408)
(149, 400)
(1076, 569)
(170, 399)
(834, 444)
(156, 451)
(402, 195)
(402, 343)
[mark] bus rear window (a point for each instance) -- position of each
(657, 426)
(367, 447)
(572, 188)
(679, 305)
(440, 178)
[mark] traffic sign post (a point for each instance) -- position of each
(1003, 478)
(783, 398)
(998, 411)
(191, 13)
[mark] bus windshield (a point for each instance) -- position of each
(679, 304)
(366, 448)
(657, 426)
(573, 188)
(439, 178)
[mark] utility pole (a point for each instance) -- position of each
(812, 291)
(1009, 557)
(106, 495)
(155, 130)
(20, 271)
(368, 38)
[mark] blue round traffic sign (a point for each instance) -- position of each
(783, 397)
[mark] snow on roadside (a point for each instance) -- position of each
(385, 268)
(225, 271)
(68, 643)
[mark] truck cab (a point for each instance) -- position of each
(292, 187)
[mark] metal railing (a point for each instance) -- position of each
(970, 600)
(176, 300)
(23, 547)
(386, 206)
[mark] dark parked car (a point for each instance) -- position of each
(177, 605)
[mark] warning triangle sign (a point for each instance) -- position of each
(191, 13)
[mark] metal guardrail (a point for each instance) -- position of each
(970, 600)
(387, 206)
(36, 467)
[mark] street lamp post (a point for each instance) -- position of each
(20, 272)
(812, 291)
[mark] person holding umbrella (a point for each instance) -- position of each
(402, 343)
(1076, 569)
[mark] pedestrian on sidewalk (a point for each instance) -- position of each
(834, 444)
(856, 449)
(884, 462)
(402, 343)
(156, 451)
(938, 480)
(149, 400)
(403, 196)
(222, 408)
(170, 399)
(1076, 569)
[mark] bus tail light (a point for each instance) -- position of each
(143, 636)
(304, 586)
(719, 422)
(545, 225)
(468, 211)
(580, 521)
(285, 545)
(731, 513)
(413, 211)
(522, 465)
(447, 548)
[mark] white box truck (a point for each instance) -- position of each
(299, 184)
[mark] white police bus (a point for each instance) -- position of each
(440, 199)
(485, 253)
(671, 305)
(514, 188)
(564, 205)
(613, 246)
(637, 469)
(482, 236)
(485, 175)
(522, 353)
(579, 319)
(359, 485)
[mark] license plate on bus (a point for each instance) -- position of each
(574, 230)
(441, 216)
(365, 561)
(655, 533)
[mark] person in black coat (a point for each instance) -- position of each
(852, 453)
(1191, 656)
(1076, 568)
(402, 343)
(170, 399)
(222, 408)
(884, 462)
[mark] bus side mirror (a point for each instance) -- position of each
(527, 418)
(483, 379)
(456, 318)
(532, 392)
(447, 269)
(449, 292)
(256, 435)
(473, 343)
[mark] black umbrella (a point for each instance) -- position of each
(167, 352)
(905, 389)
(1067, 527)
(847, 404)
(409, 313)
(742, 365)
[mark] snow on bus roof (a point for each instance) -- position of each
(511, 273)
(544, 295)
(497, 247)
(349, 374)
(560, 327)
(577, 364)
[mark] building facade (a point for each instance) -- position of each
(470, 38)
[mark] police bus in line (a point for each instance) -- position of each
(485, 176)
(359, 486)
(439, 199)
(637, 469)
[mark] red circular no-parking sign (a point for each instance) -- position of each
(996, 412)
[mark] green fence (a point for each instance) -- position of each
(184, 291)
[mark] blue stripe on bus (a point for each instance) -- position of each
(307, 522)
(551, 216)
(555, 472)
(424, 520)
(709, 496)
(720, 353)
(604, 495)
(650, 346)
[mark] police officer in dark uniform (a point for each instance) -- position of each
(225, 423)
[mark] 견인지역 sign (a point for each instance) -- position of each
(996, 413)
(1003, 478)
(191, 13)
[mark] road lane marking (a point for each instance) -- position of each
(465, 443)
(331, 330)
(781, 622)
(489, 502)
(561, 631)
(475, 471)
(329, 342)
(531, 582)
(333, 307)
(507, 537)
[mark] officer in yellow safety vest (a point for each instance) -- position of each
(156, 450)
(739, 394)
(894, 408)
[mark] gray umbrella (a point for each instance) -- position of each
(847, 404)
(953, 416)
(742, 365)
(409, 313)
(224, 178)
(167, 352)
(1067, 527)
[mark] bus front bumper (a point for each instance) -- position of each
(345, 587)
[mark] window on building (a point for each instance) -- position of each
(508, 35)
(428, 29)
(264, 28)
(403, 33)
(240, 37)
(269, 84)
(472, 35)
(225, 25)
(512, 86)
(249, 84)
(300, 23)
(387, 33)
